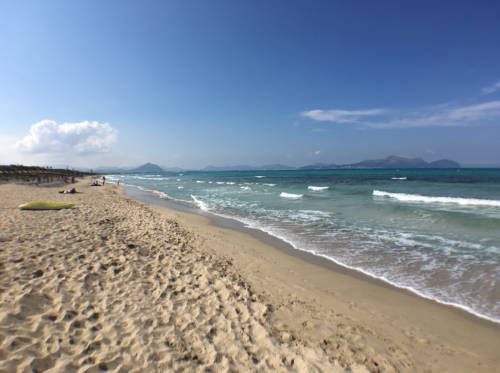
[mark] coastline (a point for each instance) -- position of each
(177, 292)
(409, 317)
(151, 197)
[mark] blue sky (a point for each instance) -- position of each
(192, 83)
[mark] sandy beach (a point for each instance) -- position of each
(118, 285)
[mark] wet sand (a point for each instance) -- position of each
(120, 285)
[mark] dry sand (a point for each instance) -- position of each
(121, 286)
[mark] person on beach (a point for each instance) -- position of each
(103, 180)
(69, 191)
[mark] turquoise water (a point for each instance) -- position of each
(434, 232)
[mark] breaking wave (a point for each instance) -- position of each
(291, 195)
(317, 188)
(428, 199)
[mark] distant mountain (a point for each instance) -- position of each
(444, 163)
(274, 167)
(319, 166)
(389, 162)
(146, 168)
(392, 162)
(269, 167)
(110, 170)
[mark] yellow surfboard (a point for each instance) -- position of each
(39, 205)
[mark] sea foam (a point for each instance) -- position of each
(291, 195)
(202, 205)
(317, 188)
(427, 199)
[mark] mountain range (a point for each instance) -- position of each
(145, 168)
(268, 167)
(389, 162)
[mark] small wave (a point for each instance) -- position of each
(426, 199)
(200, 204)
(230, 183)
(291, 195)
(153, 191)
(259, 176)
(245, 188)
(317, 188)
(219, 182)
(399, 178)
(160, 194)
(180, 187)
(271, 185)
(308, 216)
(148, 178)
(200, 182)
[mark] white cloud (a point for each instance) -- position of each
(442, 115)
(317, 152)
(471, 113)
(491, 88)
(48, 137)
(341, 116)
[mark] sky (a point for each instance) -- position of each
(196, 83)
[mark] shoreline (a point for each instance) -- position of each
(283, 245)
(408, 318)
(123, 285)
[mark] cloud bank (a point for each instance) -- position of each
(492, 88)
(443, 115)
(48, 137)
(342, 116)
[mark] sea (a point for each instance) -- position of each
(434, 232)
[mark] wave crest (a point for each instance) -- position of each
(200, 204)
(427, 199)
(291, 195)
(317, 188)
